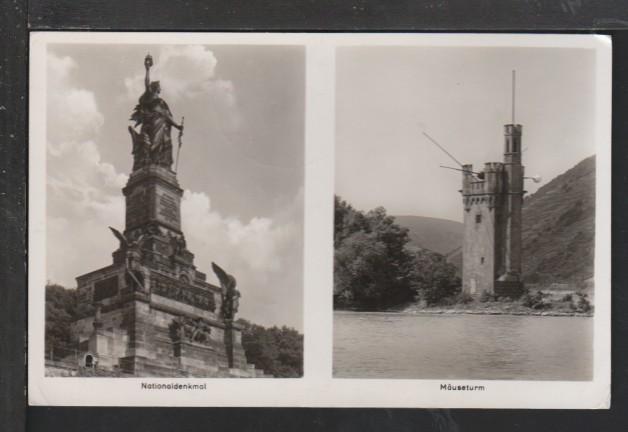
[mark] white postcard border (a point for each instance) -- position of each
(317, 388)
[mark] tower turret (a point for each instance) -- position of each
(512, 143)
(509, 281)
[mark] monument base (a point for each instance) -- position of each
(172, 329)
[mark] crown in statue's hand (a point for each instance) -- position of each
(148, 61)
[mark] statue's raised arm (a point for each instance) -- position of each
(148, 63)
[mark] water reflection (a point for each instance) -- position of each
(379, 345)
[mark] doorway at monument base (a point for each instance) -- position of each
(168, 328)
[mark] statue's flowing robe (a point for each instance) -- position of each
(155, 117)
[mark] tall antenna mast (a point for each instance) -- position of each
(514, 77)
(442, 148)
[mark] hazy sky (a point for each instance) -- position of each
(386, 97)
(241, 164)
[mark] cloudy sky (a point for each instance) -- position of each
(387, 96)
(241, 164)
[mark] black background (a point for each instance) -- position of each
(17, 17)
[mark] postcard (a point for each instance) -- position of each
(323, 220)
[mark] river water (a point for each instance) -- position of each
(390, 345)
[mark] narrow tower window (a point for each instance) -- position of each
(478, 218)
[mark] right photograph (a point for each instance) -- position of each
(464, 225)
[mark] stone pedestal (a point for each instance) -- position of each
(158, 315)
(153, 195)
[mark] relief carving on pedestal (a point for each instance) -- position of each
(184, 293)
(183, 329)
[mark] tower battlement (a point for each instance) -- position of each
(485, 182)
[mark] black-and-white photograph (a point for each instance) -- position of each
(174, 210)
(465, 213)
(377, 220)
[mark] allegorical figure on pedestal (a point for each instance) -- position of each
(230, 295)
(132, 249)
(153, 144)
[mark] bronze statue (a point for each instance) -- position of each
(153, 144)
(133, 253)
(228, 308)
(230, 295)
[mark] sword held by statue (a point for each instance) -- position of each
(176, 165)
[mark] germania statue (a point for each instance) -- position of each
(153, 143)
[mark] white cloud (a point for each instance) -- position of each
(83, 198)
(83, 192)
(264, 254)
(252, 246)
(184, 72)
(72, 113)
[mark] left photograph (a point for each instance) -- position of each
(174, 211)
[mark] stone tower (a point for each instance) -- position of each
(151, 312)
(493, 199)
